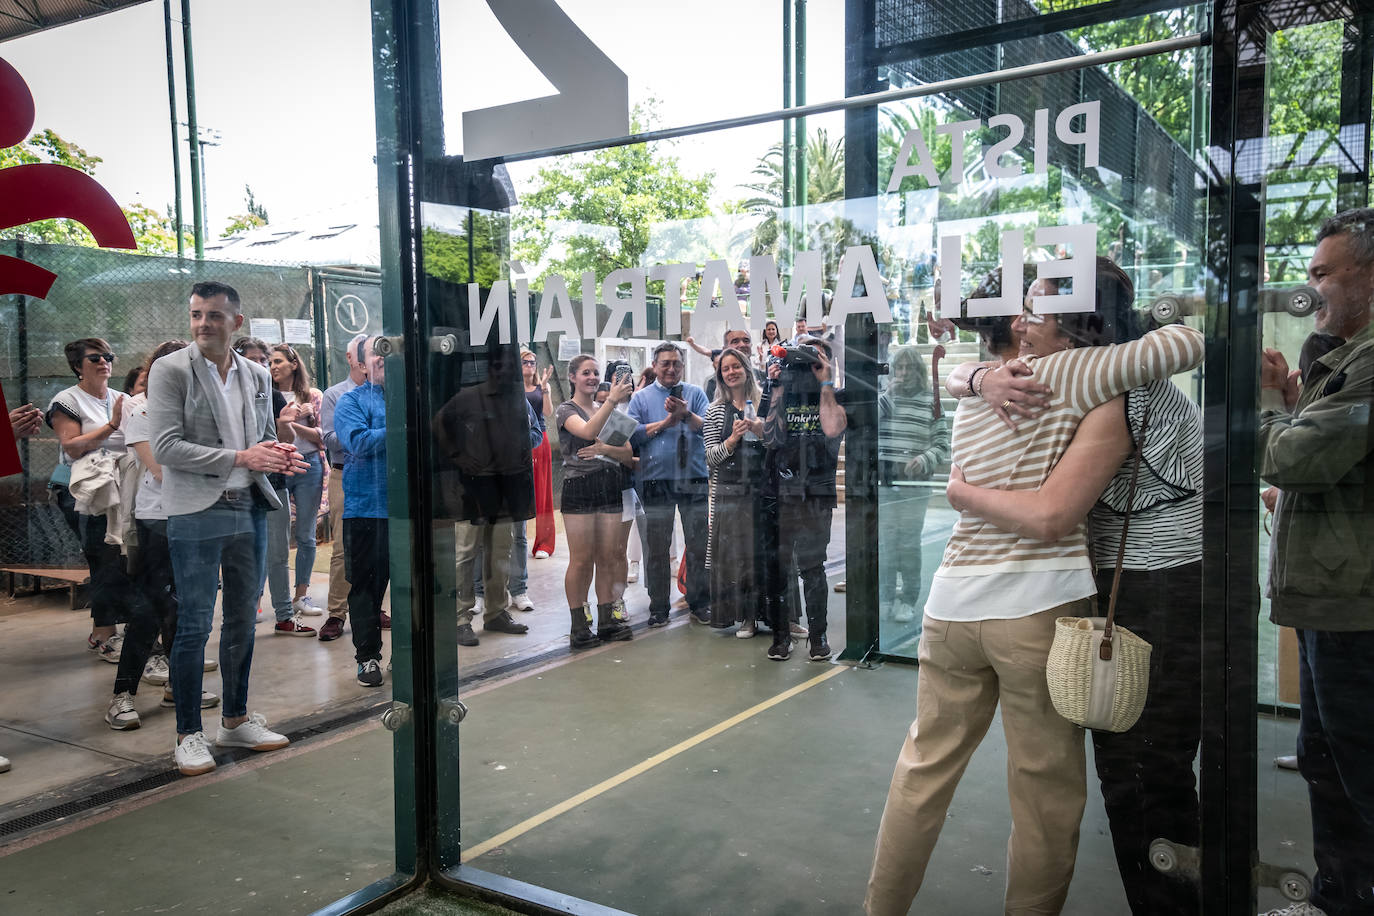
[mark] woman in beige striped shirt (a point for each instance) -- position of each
(989, 618)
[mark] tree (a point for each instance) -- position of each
(824, 184)
(627, 190)
(254, 217)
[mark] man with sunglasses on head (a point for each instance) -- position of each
(215, 436)
(338, 457)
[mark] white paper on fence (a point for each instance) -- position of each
(266, 329)
(299, 330)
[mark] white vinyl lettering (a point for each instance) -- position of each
(1088, 136)
(593, 99)
(496, 310)
(914, 141)
(859, 265)
(673, 276)
(1016, 130)
(1010, 302)
(555, 299)
(1080, 267)
(956, 130)
(632, 306)
(716, 300)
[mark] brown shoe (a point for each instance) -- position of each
(505, 623)
(332, 629)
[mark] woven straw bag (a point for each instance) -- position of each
(1091, 691)
(1099, 674)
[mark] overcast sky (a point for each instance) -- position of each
(288, 84)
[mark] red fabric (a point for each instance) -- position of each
(544, 534)
(9, 445)
(682, 573)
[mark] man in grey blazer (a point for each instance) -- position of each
(210, 415)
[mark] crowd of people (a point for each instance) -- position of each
(1069, 429)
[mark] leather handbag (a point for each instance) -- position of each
(1099, 673)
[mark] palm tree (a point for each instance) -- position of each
(824, 183)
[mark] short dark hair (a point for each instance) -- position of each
(250, 343)
(1358, 224)
(76, 351)
(995, 330)
(666, 347)
(576, 363)
(209, 289)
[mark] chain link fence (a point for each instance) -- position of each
(133, 301)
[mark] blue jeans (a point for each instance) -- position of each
(216, 543)
(1335, 746)
(519, 568)
(306, 490)
(278, 576)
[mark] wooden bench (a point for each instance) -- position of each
(73, 576)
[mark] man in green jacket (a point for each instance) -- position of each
(1318, 449)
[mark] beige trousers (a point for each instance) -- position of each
(495, 541)
(338, 582)
(966, 670)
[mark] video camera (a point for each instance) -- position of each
(796, 361)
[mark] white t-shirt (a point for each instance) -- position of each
(148, 502)
(92, 412)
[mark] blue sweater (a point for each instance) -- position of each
(658, 457)
(360, 425)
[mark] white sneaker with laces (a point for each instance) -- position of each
(207, 699)
(253, 734)
(522, 603)
(121, 716)
(541, 554)
(798, 631)
(4, 764)
(745, 631)
(156, 671)
(192, 755)
(306, 607)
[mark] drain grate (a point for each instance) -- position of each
(89, 803)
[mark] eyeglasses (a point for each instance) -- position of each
(528, 362)
(94, 358)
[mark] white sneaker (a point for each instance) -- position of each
(210, 665)
(798, 631)
(306, 608)
(479, 609)
(155, 672)
(541, 554)
(192, 755)
(4, 764)
(121, 715)
(522, 603)
(745, 631)
(903, 612)
(633, 575)
(252, 734)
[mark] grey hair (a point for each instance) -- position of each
(1358, 225)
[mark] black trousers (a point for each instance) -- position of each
(795, 537)
(1147, 772)
(367, 567)
(157, 614)
(660, 498)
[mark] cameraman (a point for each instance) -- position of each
(802, 435)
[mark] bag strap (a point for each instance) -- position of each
(1104, 650)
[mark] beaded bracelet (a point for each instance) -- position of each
(979, 392)
(972, 377)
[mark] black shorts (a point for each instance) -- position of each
(592, 494)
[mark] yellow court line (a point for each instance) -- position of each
(623, 776)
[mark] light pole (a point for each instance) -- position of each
(205, 136)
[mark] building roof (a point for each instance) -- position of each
(24, 17)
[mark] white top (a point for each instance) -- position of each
(233, 436)
(93, 413)
(148, 502)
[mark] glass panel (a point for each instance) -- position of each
(1315, 162)
(188, 607)
(585, 769)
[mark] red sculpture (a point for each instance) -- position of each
(29, 193)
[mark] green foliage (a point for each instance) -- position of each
(448, 257)
(155, 232)
(824, 183)
(254, 216)
(628, 189)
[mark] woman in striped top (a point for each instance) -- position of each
(1146, 773)
(912, 443)
(736, 462)
(989, 620)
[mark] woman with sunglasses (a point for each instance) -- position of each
(302, 411)
(537, 392)
(87, 417)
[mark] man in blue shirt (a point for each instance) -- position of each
(672, 475)
(360, 425)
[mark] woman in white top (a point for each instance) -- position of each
(989, 618)
(87, 417)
